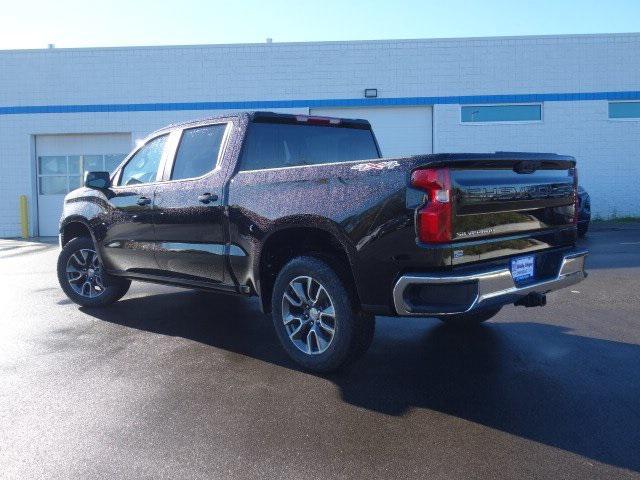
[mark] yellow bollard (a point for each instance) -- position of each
(24, 216)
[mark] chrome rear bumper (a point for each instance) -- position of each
(492, 287)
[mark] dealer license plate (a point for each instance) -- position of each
(522, 268)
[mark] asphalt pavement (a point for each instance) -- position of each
(171, 383)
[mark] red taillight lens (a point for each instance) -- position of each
(433, 220)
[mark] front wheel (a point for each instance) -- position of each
(82, 278)
(314, 316)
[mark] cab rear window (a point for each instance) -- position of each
(274, 145)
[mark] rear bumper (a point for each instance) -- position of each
(482, 289)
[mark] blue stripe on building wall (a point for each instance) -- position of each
(334, 102)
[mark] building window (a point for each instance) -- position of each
(624, 110)
(501, 113)
(58, 175)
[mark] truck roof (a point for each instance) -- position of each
(273, 117)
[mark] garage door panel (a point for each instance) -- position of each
(61, 161)
(400, 130)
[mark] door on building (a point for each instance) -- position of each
(61, 161)
(400, 130)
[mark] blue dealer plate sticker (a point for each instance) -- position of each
(522, 268)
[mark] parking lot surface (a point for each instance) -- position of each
(171, 383)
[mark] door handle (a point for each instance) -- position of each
(208, 197)
(143, 201)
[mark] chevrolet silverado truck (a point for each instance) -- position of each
(303, 212)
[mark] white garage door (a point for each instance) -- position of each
(400, 130)
(61, 163)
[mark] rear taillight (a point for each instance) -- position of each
(576, 202)
(433, 219)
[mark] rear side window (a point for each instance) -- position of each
(143, 166)
(273, 145)
(198, 151)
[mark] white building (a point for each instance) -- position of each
(62, 110)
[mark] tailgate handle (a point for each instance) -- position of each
(526, 166)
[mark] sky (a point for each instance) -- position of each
(72, 23)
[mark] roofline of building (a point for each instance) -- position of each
(328, 43)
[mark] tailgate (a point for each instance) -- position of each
(488, 206)
(504, 197)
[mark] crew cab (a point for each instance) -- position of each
(304, 212)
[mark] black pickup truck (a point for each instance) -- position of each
(303, 212)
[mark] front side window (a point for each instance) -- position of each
(624, 109)
(198, 151)
(273, 145)
(143, 166)
(500, 113)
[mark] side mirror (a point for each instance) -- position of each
(99, 180)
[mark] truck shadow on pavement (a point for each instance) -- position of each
(533, 380)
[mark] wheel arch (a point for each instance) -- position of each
(73, 228)
(318, 241)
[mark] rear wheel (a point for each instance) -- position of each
(315, 318)
(82, 277)
(471, 318)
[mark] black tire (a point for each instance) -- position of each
(464, 320)
(353, 329)
(112, 288)
(582, 229)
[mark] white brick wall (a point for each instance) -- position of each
(607, 150)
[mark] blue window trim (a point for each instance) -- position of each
(335, 102)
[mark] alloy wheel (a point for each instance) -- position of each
(84, 273)
(308, 315)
